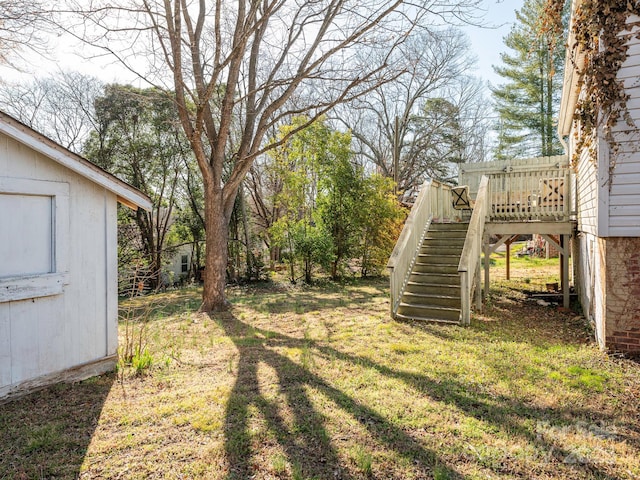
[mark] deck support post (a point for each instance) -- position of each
(477, 281)
(564, 274)
(563, 250)
(508, 253)
(487, 264)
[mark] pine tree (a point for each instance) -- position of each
(527, 102)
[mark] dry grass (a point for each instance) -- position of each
(319, 383)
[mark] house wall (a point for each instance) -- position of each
(590, 283)
(587, 194)
(43, 336)
(623, 203)
(174, 272)
(608, 204)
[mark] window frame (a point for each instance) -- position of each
(23, 287)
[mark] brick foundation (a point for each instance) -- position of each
(622, 311)
(625, 341)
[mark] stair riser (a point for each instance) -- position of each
(437, 258)
(435, 279)
(449, 226)
(436, 268)
(438, 301)
(433, 320)
(427, 312)
(447, 233)
(443, 242)
(434, 289)
(441, 250)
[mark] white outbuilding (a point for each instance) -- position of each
(58, 261)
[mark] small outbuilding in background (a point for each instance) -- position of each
(58, 261)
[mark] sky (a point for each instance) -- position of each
(486, 44)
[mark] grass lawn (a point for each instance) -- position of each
(318, 382)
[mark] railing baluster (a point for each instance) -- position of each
(526, 194)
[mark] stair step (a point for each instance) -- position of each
(434, 227)
(446, 234)
(431, 299)
(459, 235)
(435, 268)
(400, 316)
(454, 250)
(429, 311)
(450, 224)
(436, 278)
(432, 296)
(443, 242)
(433, 288)
(439, 258)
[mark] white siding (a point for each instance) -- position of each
(624, 189)
(587, 194)
(173, 271)
(590, 283)
(50, 334)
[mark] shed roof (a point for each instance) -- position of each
(126, 194)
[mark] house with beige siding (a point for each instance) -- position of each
(58, 261)
(607, 196)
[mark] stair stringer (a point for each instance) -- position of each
(411, 265)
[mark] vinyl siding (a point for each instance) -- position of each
(624, 188)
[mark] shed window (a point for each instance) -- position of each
(185, 263)
(34, 221)
(26, 235)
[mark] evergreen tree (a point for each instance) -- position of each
(527, 102)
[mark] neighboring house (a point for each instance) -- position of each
(58, 261)
(607, 254)
(179, 267)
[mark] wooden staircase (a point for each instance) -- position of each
(432, 292)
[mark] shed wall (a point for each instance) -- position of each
(49, 334)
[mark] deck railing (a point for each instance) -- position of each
(469, 266)
(433, 203)
(522, 196)
(537, 189)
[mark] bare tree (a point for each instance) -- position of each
(20, 24)
(236, 66)
(432, 65)
(59, 106)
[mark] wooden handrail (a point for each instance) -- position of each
(433, 202)
(470, 257)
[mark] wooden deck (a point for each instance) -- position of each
(530, 196)
(533, 196)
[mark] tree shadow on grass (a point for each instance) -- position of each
(308, 444)
(514, 417)
(302, 433)
(312, 298)
(46, 434)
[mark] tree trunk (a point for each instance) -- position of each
(247, 237)
(334, 269)
(216, 254)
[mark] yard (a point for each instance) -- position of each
(318, 382)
